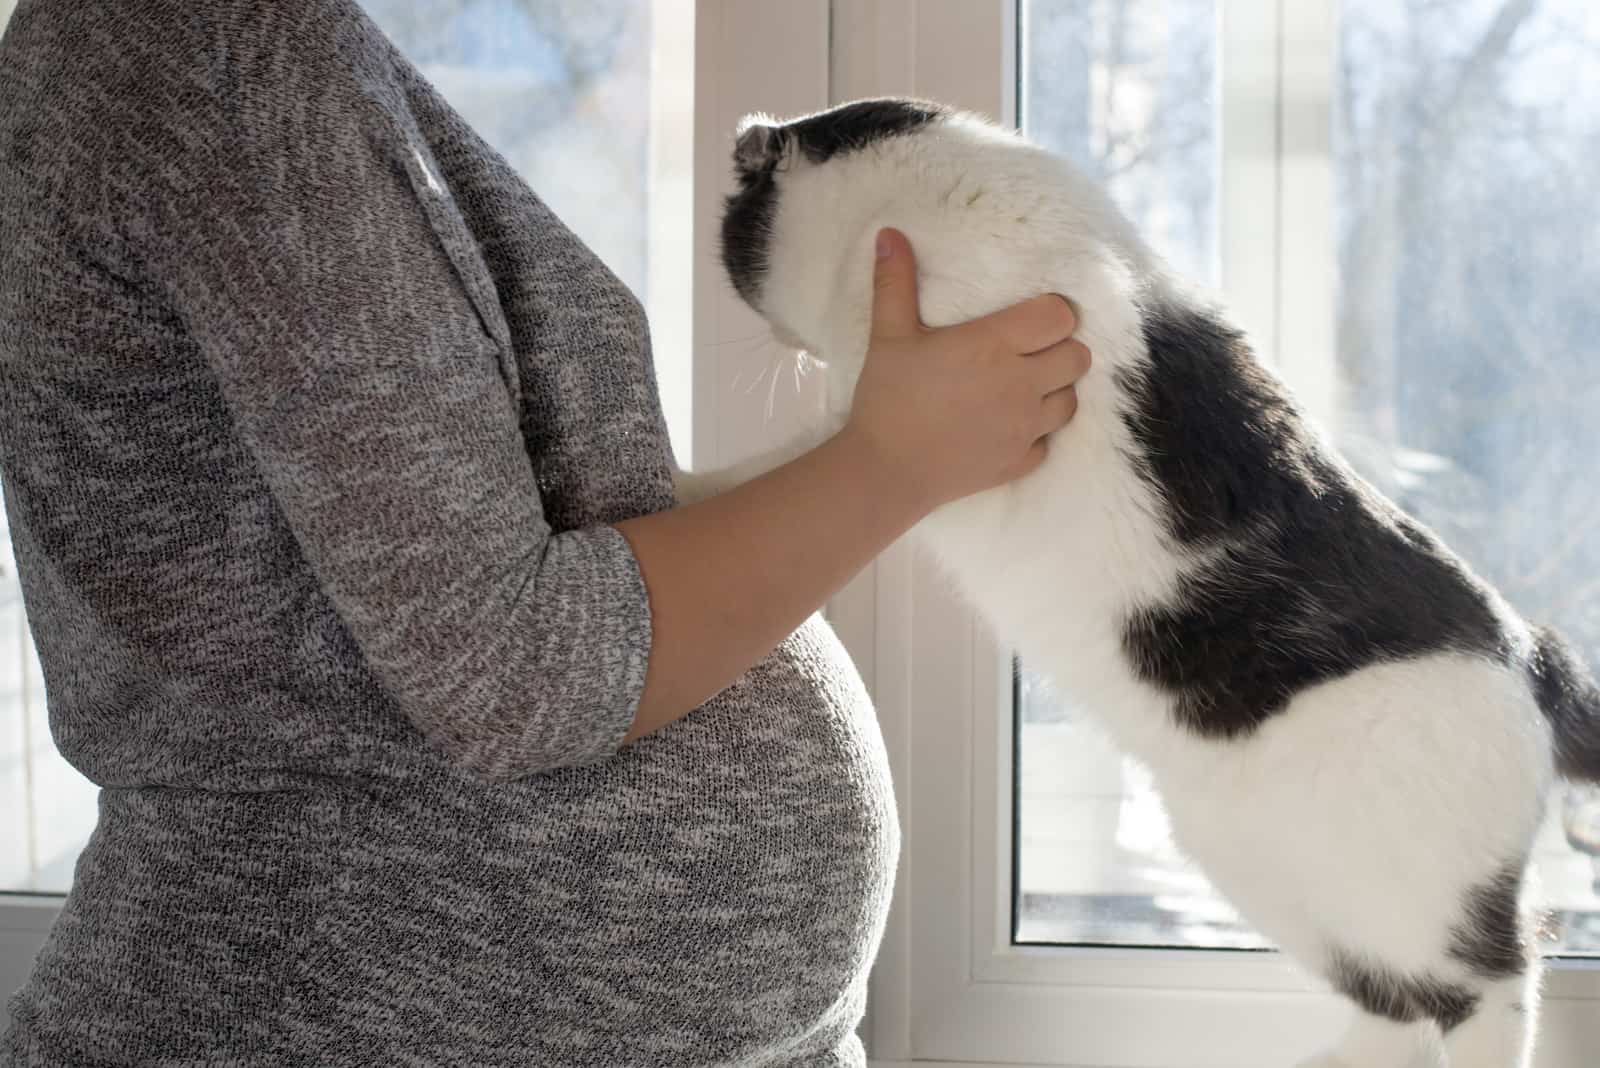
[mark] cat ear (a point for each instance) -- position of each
(759, 144)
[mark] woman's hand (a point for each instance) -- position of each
(937, 414)
(960, 409)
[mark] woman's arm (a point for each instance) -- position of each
(937, 414)
(731, 575)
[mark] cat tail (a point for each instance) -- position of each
(1570, 699)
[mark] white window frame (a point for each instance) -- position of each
(750, 55)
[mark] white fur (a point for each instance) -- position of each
(1366, 809)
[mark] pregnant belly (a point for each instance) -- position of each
(712, 895)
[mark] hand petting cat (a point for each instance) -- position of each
(962, 408)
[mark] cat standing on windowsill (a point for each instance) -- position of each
(1352, 733)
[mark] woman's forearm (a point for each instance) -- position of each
(935, 415)
(730, 577)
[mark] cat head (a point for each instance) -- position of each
(992, 219)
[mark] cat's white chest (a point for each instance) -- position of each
(1057, 560)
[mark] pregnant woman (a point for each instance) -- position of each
(428, 730)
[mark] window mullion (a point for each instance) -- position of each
(1248, 210)
(749, 55)
(1306, 260)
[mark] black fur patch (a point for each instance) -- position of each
(854, 126)
(1401, 998)
(746, 229)
(1570, 700)
(1219, 439)
(1316, 575)
(1489, 939)
(747, 213)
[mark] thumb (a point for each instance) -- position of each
(894, 287)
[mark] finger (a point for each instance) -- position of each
(894, 287)
(1034, 324)
(1058, 409)
(1060, 365)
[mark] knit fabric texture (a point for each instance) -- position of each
(312, 422)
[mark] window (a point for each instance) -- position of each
(591, 100)
(1127, 89)
(1459, 380)
(1042, 917)
(1466, 380)
(46, 808)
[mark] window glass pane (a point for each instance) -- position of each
(559, 87)
(1125, 89)
(591, 100)
(1463, 145)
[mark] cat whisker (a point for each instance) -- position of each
(759, 377)
(734, 385)
(772, 394)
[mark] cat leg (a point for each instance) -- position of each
(1378, 1042)
(1500, 1032)
(1494, 943)
(1397, 1022)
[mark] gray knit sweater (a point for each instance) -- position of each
(312, 420)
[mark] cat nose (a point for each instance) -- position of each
(757, 148)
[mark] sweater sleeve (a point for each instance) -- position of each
(283, 228)
(616, 448)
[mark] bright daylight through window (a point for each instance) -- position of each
(1464, 143)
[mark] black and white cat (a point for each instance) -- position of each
(1353, 734)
